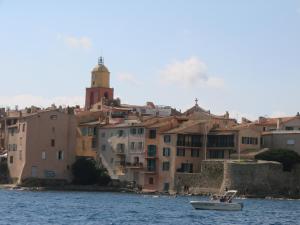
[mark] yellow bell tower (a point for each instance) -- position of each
(100, 75)
(100, 87)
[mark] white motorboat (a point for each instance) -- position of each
(219, 203)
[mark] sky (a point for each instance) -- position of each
(236, 56)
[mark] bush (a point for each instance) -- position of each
(287, 157)
(86, 172)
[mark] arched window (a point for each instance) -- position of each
(91, 98)
(106, 94)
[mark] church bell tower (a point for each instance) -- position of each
(100, 85)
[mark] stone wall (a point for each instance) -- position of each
(261, 179)
(253, 179)
(209, 180)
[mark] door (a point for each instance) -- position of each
(33, 171)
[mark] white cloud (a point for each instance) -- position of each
(76, 42)
(189, 72)
(26, 100)
(129, 78)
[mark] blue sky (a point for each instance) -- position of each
(240, 56)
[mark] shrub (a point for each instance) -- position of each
(287, 157)
(85, 172)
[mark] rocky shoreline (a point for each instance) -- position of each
(93, 188)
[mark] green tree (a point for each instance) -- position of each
(287, 157)
(85, 172)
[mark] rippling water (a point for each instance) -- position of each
(25, 207)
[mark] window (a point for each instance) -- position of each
(44, 155)
(11, 159)
(151, 165)
(103, 147)
(140, 130)
(84, 131)
(90, 131)
(120, 133)
(140, 145)
(151, 150)
(166, 187)
(9, 147)
(12, 132)
(216, 154)
(103, 134)
(151, 180)
(23, 127)
(220, 141)
(136, 160)
(249, 140)
(21, 141)
(14, 146)
(180, 152)
(95, 131)
(186, 168)
(289, 128)
(166, 166)
(166, 151)
(133, 131)
(132, 145)
(167, 138)
(60, 155)
(94, 142)
(20, 155)
(120, 148)
(53, 117)
(152, 134)
(195, 153)
(52, 142)
(189, 140)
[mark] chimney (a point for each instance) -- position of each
(279, 120)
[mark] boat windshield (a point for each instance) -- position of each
(228, 196)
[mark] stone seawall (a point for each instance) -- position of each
(261, 179)
(252, 179)
(209, 180)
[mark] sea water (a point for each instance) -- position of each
(27, 207)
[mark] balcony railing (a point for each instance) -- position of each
(134, 165)
(120, 151)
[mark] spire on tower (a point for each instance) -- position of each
(100, 60)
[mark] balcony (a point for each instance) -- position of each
(135, 165)
(120, 151)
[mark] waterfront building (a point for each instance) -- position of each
(41, 144)
(87, 142)
(154, 128)
(121, 148)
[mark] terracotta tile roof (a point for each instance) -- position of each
(186, 127)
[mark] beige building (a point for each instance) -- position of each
(121, 149)
(41, 145)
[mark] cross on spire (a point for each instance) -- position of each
(196, 101)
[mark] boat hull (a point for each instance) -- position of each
(224, 206)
